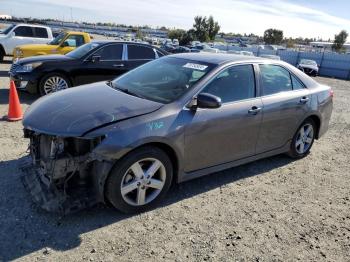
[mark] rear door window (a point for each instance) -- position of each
(275, 79)
(40, 32)
(24, 31)
(297, 83)
(110, 52)
(137, 52)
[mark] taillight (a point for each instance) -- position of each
(331, 93)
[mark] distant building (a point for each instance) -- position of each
(5, 17)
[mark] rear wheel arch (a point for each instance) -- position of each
(317, 122)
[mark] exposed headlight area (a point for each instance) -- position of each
(63, 166)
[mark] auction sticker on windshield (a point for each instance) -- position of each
(195, 66)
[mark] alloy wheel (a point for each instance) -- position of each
(304, 139)
(143, 181)
(54, 84)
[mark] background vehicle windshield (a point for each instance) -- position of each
(163, 80)
(58, 39)
(7, 29)
(308, 62)
(82, 50)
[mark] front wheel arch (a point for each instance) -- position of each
(45, 75)
(120, 164)
(2, 52)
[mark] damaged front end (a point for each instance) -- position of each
(63, 176)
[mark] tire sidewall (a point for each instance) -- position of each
(44, 79)
(293, 152)
(114, 180)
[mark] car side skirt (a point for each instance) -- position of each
(203, 172)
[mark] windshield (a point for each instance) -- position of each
(82, 50)
(58, 39)
(163, 80)
(7, 29)
(308, 62)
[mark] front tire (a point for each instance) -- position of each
(2, 55)
(303, 139)
(52, 83)
(139, 180)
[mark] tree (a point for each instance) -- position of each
(176, 34)
(201, 28)
(139, 33)
(205, 29)
(273, 36)
(339, 40)
(213, 28)
(184, 37)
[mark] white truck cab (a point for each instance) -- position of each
(21, 34)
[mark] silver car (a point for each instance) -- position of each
(173, 119)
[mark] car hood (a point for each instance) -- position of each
(76, 111)
(44, 58)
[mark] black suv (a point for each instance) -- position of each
(92, 62)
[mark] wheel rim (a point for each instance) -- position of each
(143, 181)
(304, 138)
(54, 84)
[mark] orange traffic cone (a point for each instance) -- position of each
(15, 110)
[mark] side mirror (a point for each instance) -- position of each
(95, 58)
(12, 34)
(206, 100)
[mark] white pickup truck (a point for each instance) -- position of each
(21, 34)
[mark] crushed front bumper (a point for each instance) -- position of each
(61, 174)
(51, 199)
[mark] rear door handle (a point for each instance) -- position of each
(304, 100)
(254, 110)
(118, 65)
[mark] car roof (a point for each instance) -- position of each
(103, 42)
(30, 25)
(218, 58)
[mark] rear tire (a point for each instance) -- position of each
(52, 83)
(303, 139)
(133, 186)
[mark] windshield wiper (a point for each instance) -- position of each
(124, 90)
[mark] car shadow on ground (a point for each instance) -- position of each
(24, 97)
(27, 229)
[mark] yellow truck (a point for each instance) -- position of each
(62, 44)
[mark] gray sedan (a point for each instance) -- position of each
(173, 119)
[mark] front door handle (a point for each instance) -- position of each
(304, 100)
(254, 110)
(118, 65)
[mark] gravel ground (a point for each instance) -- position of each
(270, 210)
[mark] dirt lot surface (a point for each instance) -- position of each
(271, 210)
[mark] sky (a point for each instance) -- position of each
(312, 18)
